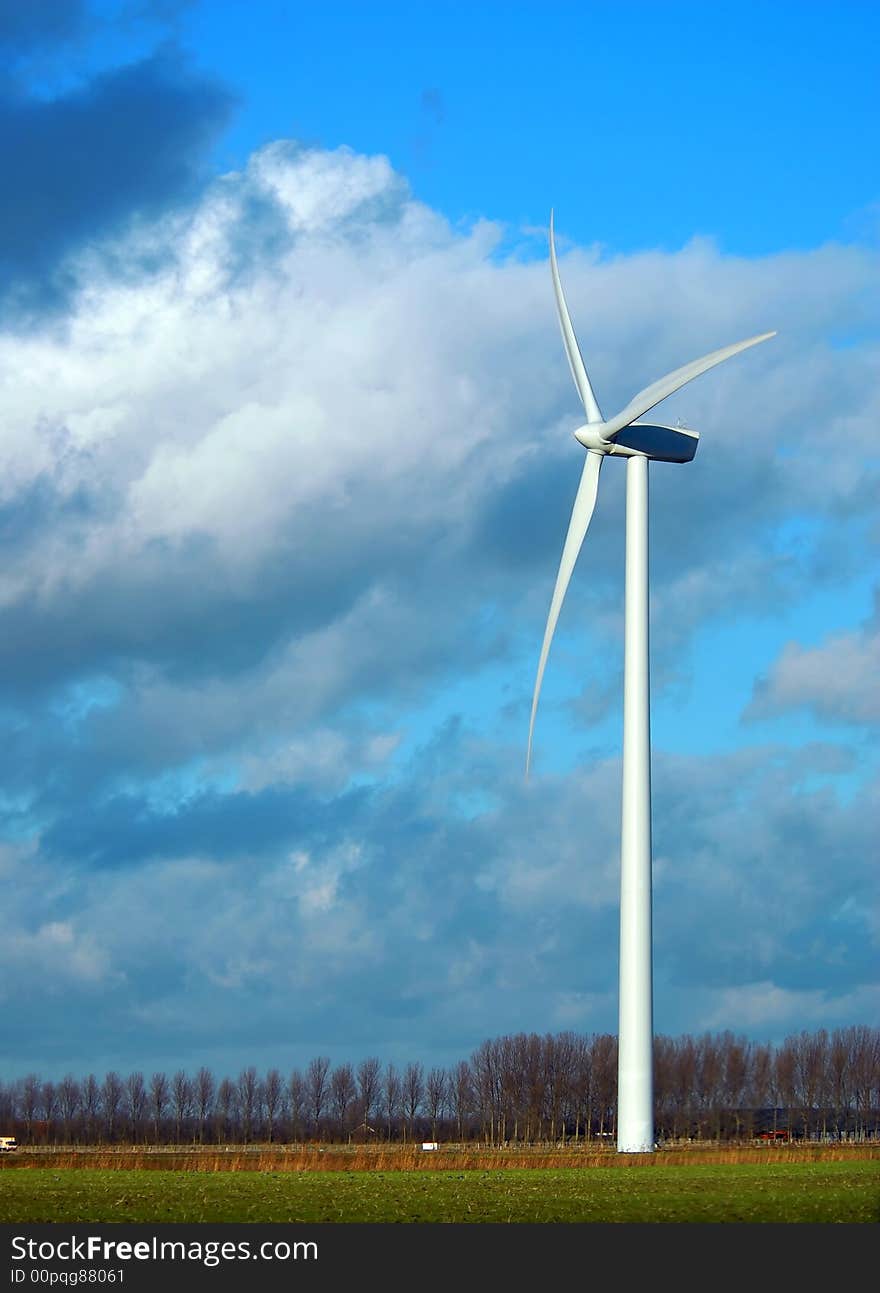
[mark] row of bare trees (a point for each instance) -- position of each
(520, 1088)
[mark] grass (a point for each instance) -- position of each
(793, 1191)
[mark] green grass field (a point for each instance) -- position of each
(771, 1192)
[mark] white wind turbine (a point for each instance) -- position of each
(638, 442)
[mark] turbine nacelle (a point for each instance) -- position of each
(652, 440)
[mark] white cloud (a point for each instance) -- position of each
(837, 680)
(267, 499)
(315, 190)
(57, 954)
(766, 1007)
(379, 371)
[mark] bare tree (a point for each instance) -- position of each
(273, 1091)
(761, 1083)
(181, 1098)
(511, 1078)
(48, 1104)
(413, 1092)
(840, 1078)
(111, 1101)
(8, 1106)
(392, 1094)
(158, 1103)
(864, 1063)
(368, 1081)
(582, 1087)
(664, 1087)
(824, 1083)
(538, 1078)
(225, 1109)
(603, 1062)
(297, 1095)
(561, 1055)
(686, 1063)
(709, 1075)
(91, 1104)
(435, 1097)
(135, 1100)
(316, 1088)
(69, 1098)
(461, 1090)
(522, 1084)
(248, 1095)
(736, 1059)
(810, 1053)
(30, 1101)
(785, 1080)
(342, 1095)
(872, 1067)
(486, 1068)
(204, 1099)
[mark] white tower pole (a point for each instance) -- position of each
(635, 1113)
(602, 436)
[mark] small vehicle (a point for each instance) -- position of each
(7, 1144)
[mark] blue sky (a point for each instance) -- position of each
(287, 465)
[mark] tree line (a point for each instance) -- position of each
(521, 1088)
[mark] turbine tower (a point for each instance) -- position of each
(638, 442)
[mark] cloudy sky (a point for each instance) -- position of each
(286, 468)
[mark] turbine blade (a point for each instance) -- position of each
(575, 361)
(581, 513)
(658, 390)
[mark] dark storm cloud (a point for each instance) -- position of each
(129, 143)
(399, 905)
(128, 829)
(174, 606)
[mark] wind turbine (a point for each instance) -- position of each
(638, 442)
